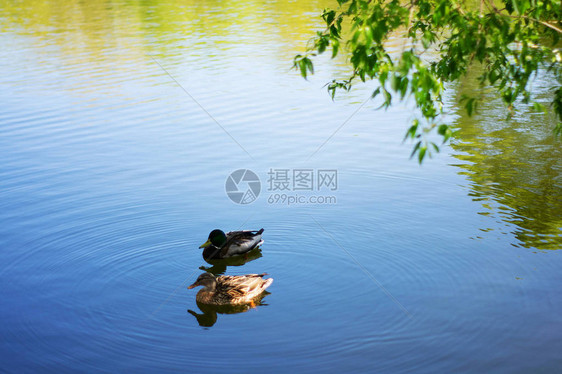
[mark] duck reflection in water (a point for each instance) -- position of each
(219, 266)
(209, 314)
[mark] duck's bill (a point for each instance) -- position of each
(192, 286)
(206, 244)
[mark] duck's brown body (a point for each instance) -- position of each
(230, 289)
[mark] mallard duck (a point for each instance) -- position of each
(230, 289)
(220, 245)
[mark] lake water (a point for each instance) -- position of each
(120, 122)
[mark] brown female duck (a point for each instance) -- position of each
(230, 289)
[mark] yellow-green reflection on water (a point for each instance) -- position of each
(514, 166)
(100, 25)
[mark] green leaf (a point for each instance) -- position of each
(411, 133)
(470, 106)
(335, 47)
(387, 98)
(416, 147)
(421, 153)
(302, 66)
(309, 65)
(448, 134)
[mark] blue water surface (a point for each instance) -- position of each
(119, 125)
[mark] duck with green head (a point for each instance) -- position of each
(234, 243)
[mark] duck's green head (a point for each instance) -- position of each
(216, 238)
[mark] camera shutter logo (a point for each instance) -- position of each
(243, 186)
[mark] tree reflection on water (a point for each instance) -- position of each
(514, 166)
